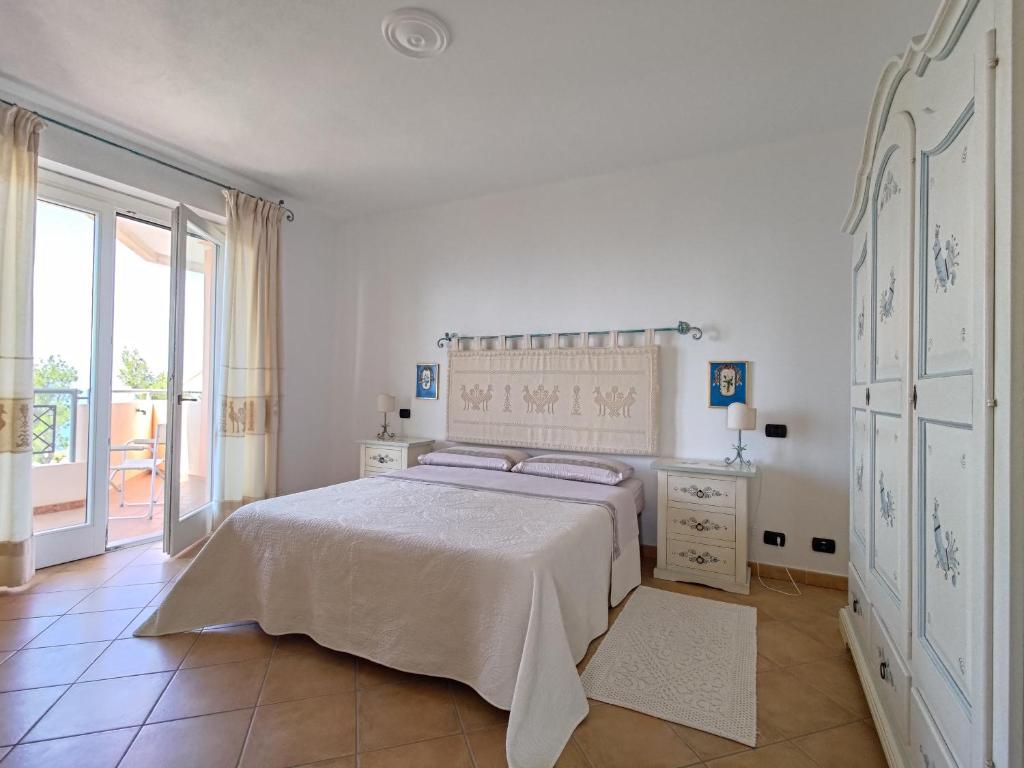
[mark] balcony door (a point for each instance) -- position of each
(123, 326)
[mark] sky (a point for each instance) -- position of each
(63, 298)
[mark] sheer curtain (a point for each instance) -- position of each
(246, 447)
(19, 155)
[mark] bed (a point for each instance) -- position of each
(496, 579)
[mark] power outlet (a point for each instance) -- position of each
(826, 546)
(775, 538)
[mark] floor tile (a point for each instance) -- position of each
(334, 762)
(14, 633)
(152, 557)
(303, 675)
(84, 628)
(94, 750)
(391, 715)
(825, 629)
(117, 598)
(795, 708)
(488, 748)
(474, 711)
(836, 678)
(371, 674)
(37, 667)
(227, 644)
(71, 580)
(137, 622)
(446, 752)
(785, 645)
(101, 705)
(298, 643)
(296, 732)
(206, 690)
(849, 746)
(212, 741)
(145, 574)
(115, 559)
(612, 737)
(23, 606)
(141, 655)
(21, 710)
(708, 745)
(775, 756)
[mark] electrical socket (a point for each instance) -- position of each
(774, 538)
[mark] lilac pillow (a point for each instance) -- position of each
(586, 469)
(474, 457)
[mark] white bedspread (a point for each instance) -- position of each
(485, 577)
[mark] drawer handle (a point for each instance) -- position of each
(856, 606)
(886, 674)
(697, 525)
(700, 558)
(382, 458)
(706, 492)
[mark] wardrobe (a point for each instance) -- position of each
(926, 335)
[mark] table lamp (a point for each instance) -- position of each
(740, 416)
(385, 404)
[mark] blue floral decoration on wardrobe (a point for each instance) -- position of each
(887, 300)
(947, 258)
(888, 501)
(946, 549)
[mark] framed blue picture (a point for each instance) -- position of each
(727, 383)
(426, 380)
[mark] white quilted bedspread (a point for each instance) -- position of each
(500, 590)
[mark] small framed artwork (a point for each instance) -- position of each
(426, 380)
(727, 383)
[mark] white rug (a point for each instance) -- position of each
(684, 659)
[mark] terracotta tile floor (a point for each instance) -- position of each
(76, 689)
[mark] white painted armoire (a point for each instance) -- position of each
(927, 329)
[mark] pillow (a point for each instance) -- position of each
(586, 469)
(474, 457)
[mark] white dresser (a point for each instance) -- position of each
(702, 523)
(377, 457)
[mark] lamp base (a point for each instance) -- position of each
(739, 459)
(384, 433)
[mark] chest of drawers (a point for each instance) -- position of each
(702, 523)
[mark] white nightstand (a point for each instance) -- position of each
(702, 523)
(379, 456)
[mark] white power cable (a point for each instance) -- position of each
(757, 504)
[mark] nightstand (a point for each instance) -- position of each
(377, 457)
(702, 523)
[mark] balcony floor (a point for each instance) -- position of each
(193, 494)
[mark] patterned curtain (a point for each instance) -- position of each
(246, 446)
(19, 154)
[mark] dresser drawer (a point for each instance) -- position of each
(700, 556)
(377, 457)
(701, 524)
(860, 609)
(705, 491)
(891, 677)
(927, 747)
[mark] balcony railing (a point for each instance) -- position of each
(55, 423)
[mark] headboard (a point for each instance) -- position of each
(594, 399)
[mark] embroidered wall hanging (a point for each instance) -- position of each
(595, 399)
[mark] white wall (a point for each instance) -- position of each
(746, 245)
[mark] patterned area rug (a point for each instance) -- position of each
(685, 659)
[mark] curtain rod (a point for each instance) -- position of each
(682, 328)
(289, 215)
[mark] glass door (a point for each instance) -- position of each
(190, 408)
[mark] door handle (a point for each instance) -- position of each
(182, 399)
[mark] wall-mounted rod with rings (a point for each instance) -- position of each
(682, 327)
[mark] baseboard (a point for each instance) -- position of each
(62, 506)
(770, 571)
(866, 672)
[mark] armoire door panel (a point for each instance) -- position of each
(862, 304)
(946, 266)
(947, 464)
(888, 506)
(860, 478)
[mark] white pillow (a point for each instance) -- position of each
(474, 457)
(586, 469)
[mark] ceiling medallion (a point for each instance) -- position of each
(415, 32)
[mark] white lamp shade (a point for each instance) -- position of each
(385, 403)
(741, 416)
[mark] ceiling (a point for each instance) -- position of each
(307, 97)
